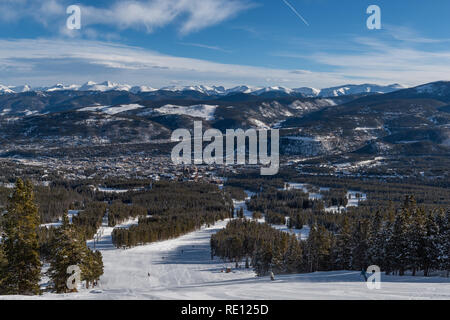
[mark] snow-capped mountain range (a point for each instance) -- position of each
(211, 90)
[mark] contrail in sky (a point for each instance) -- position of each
(296, 12)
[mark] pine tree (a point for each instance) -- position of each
(20, 227)
(375, 252)
(360, 245)
(444, 241)
(318, 247)
(387, 247)
(293, 259)
(279, 255)
(3, 264)
(91, 267)
(69, 248)
(416, 239)
(399, 242)
(342, 251)
(431, 250)
(263, 260)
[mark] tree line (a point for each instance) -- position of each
(20, 248)
(173, 209)
(263, 247)
(408, 239)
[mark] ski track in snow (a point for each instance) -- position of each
(182, 268)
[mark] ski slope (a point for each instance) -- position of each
(182, 268)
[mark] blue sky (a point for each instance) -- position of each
(224, 42)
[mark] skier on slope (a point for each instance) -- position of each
(364, 274)
(272, 276)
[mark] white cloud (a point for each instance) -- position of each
(192, 15)
(45, 62)
(385, 59)
(40, 60)
(205, 46)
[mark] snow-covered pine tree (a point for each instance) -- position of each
(20, 227)
(399, 243)
(360, 245)
(416, 238)
(386, 234)
(431, 250)
(444, 241)
(375, 252)
(69, 248)
(342, 252)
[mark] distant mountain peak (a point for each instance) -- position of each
(107, 85)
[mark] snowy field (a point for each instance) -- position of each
(199, 111)
(113, 110)
(353, 200)
(71, 214)
(182, 268)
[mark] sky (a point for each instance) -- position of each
(290, 43)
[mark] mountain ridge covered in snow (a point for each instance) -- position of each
(211, 90)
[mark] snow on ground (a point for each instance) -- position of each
(199, 111)
(259, 124)
(111, 190)
(8, 185)
(301, 234)
(353, 200)
(122, 108)
(304, 188)
(182, 268)
(71, 214)
(113, 110)
(354, 197)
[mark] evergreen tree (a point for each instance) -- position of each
(360, 245)
(3, 264)
(293, 260)
(318, 247)
(342, 251)
(375, 252)
(69, 248)
(399, 243)
(416, 238)
(92, 267)
(444, 241)
(263, 260)
(387, 247)
(20, 227)
(431, 250)
(280, 255)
